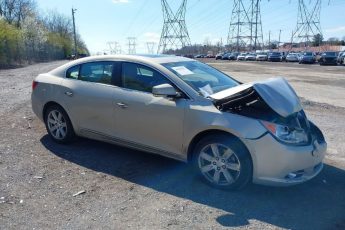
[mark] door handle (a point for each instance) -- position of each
(122, 105)
(70, 94)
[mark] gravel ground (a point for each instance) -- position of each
(127, 189)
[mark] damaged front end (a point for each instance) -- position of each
(275, 104)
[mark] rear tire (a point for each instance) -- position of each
(223, 162)
(58, 125)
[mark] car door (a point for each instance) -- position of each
(144, 120)
(89, 97)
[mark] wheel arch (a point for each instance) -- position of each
(210, 132)
(52, 103)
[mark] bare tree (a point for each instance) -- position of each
(58, 23)
(15, 11)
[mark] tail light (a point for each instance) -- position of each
(34, 84)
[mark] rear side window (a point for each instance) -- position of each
(99, 72)
(73, 73)
(141, 78)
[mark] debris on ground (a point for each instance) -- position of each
(38, 177)
(79, 193)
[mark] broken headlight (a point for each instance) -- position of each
(287, 134)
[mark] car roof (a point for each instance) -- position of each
(150, 59)
(156, 58)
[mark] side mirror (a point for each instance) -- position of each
(164, 90)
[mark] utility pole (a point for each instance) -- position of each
(308, 22)
(174, 33)
(280, 32)
(132, 45)
(114, 47)
(291, 43)
(150, 47)
(245, 31)
(74, 34)
(269, 40)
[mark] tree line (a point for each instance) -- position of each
(26, 36)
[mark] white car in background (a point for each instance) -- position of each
(292, 57)
(250, 57)
(261, 56)
(241, 56)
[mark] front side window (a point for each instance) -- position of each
(201, 77)
(141, 78)
(99, 72)
(73, 73)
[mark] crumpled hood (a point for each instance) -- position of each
(276, 92)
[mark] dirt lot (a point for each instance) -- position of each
(127, 189)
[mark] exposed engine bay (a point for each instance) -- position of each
(272, 101)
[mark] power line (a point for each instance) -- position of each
(150, 47)
(245, 31)
(132, 45)
(114, 47)
(308, 22)
(174, 34)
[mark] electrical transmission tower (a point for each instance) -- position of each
(114, 47)
(245, 31)
(150, 47)
(132, 45)
(308, 22)
(174, 34)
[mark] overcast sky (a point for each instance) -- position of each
(114, 20)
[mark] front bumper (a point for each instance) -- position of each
(309, 61)
(261, 58)
(276, 59)
(292, 59)
(281, 165)
(328, 62)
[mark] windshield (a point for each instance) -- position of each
(201, 77)
(275, 53)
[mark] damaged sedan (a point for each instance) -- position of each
(231, 133)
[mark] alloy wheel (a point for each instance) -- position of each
(57, 124)
(219, 164)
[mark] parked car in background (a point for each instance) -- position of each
(210, 56)
(328, 58)
(226, 56)
(292, 57)
(219, 56)
(261, 56)
(307, 58)
(233, 56)
(188, 56)
(231, 133)
(250, 57)
(200, 56)
(241, 56)
(275, 57)
(341, 57)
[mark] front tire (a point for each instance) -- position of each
(223, 162)
(58, 125)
